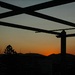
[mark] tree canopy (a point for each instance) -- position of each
(9, 50)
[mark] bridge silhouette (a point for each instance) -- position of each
(31, 10)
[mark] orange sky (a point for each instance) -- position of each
(48, 47)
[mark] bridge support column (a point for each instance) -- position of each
(63, 52)
(63, 43)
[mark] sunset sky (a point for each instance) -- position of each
(26, 41)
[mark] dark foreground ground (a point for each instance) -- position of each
(36, 64)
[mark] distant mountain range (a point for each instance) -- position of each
(37, 64)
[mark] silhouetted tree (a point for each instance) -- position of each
(9, 50)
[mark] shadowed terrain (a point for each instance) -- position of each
(35, 64)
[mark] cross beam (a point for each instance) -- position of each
(63, 29)
(28, 28)
(18, 10)
(37, 29)
(48, 4)
(37, 6)
(50, 18)
(67, 35)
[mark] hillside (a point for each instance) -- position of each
(37, 64)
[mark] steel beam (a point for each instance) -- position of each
(50, 18)
(8, 6)
(19, 10)
(48, 4)
(63, 29)
(70, 35)
(37, 6)
(28, 28)
(67, 35)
